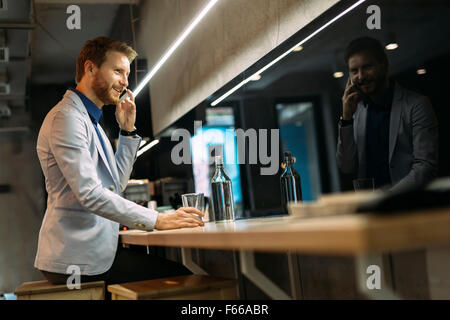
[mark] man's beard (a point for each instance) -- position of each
(376, 83)
(103, 91)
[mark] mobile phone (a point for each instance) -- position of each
(124, 96)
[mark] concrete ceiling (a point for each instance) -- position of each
(421, 28)
(43, 50)
(68, 2)
(55, 47)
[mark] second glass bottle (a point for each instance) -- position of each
(222, 194)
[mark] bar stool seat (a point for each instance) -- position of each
(191, 287)
(44, 290)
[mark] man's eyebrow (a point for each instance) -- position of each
(365, 65)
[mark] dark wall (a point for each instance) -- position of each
(42, 99)
(263, 191)
(156, 163)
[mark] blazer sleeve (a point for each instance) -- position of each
(125, 157)
(346, 151)
(70, 147)
(425, 135)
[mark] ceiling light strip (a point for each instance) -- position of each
(214, 103)
(174, 46)
(143, 143)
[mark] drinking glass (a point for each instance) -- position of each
(367, 184)
(195, 200)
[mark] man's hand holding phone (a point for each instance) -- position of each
(350, 100)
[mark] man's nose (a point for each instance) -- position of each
(124, 81)
(361, 75)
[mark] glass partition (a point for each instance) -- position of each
(301, 93)
(295, 104)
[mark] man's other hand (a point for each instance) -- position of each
(185, 217)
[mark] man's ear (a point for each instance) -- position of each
(89, 67)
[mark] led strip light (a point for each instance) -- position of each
(217, 101)
(147, 147)
(167, 55)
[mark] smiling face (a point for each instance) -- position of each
(111, 78)
(369, 74)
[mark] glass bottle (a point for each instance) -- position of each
(222, 193)
(291, 188)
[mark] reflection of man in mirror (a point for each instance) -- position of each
(386, 132)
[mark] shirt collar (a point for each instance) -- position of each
(95, 113)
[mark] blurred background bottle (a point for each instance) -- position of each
(291, 188)
(222, 194)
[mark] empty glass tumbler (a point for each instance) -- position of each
(195, 200)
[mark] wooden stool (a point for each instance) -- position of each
(192, 287)
(44, 290)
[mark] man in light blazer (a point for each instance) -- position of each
(84, 178)
(386, 132)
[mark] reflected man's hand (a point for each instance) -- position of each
(349, 101)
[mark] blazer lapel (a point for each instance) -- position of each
(110, 156)
(100, 150)
(80, 106)
(396, 114)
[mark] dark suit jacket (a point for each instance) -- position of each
(413, 140)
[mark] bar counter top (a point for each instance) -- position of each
(348, 234)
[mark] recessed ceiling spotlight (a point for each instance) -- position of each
(255, 77)
(392, 46)
(421, 71)
(338, 74)
(298, 48)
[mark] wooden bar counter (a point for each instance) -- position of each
(350, 234)
(408, 247)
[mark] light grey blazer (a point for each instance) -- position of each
(84, 207)
(413, 140)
